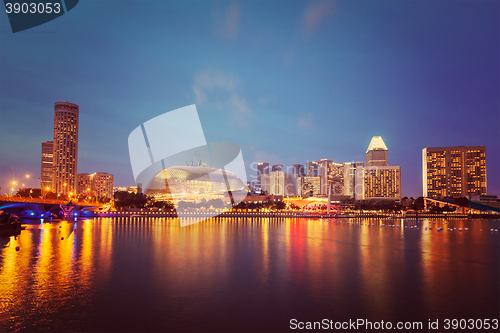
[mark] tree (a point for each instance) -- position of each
(125, 199)
(29, 192)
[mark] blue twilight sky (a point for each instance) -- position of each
(288, 81)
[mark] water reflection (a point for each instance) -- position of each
(227, 274)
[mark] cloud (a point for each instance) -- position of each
(219, 89)
(211, 79)
(226, 24)
(314, 14)
(305, 121)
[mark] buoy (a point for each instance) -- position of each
(17, 248)
(492, 229)
(496, 230)
(425, 228)
(60, 226)
(62, 238)
(466, 229)
(459, 229)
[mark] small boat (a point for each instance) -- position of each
(9, 224)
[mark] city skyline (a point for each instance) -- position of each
(316, 80)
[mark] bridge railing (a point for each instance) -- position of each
(35, 200)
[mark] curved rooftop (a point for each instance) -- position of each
(377, 144)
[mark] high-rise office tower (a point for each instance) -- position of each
(65, 148)
(262, 169)
(312, 169)
(332, 174)
(454, 171)
(277, 183)
(354, 185)
(308, 186)
(47, 165)
(382, 182)
(298, 170)
(277, 167)
(377, 153)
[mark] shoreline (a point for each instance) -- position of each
(289, 215)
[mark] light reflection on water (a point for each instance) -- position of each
(236, 274)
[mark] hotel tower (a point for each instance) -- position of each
(65, 156)
(454, 171)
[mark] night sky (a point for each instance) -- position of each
(288, 81)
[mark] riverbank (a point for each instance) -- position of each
(285, 214)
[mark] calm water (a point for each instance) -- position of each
(146, 275)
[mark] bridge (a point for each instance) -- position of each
(44, 208)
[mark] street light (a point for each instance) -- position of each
(12, 188)
(41, 188)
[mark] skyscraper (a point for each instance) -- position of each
(354, 185)
(47, 165)
(65, 148)
(298, 170)
(377, 152)
(277, 167)
(312, 169)
(308, 186)
(332, 174)
(454, 171)
(262, 169)
(382, 182)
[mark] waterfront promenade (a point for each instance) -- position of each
(282, 214)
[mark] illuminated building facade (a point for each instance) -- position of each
(262, 169)
(308, 186)
(377, 152)
(85, 184)
(265, 183)
(382, 182)
(332, 174)
(103, 185)
(65, 150)
(312, 169)
(129, 189)
(193, 182)
(454, 171)
(47, 164)
(282, 183)
(277, 183)
(354, 183)
(99, 184)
